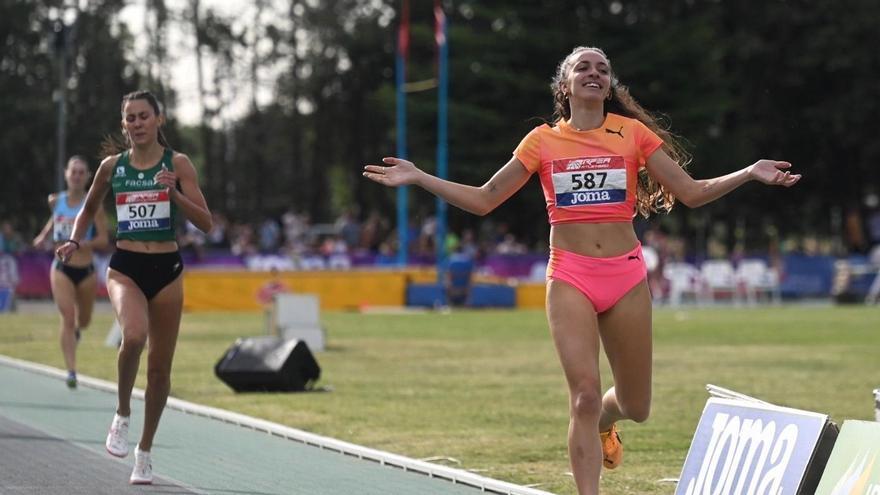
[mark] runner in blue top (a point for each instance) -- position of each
(73, 281)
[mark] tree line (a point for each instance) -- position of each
(739, 80)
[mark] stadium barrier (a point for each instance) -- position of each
(802, 277)
(745, 446)
(531, 295)
(480, 295)
(253, 291)
(853, 467)
(492, 296)
(428, 295)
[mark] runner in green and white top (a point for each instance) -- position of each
(150, 183)
(144, 211)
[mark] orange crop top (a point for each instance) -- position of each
(589, 176)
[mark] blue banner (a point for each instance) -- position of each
(746, 448)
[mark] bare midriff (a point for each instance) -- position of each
(598, 240)
(80, 258)
(147, 246)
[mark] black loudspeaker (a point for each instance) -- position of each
(268, 364)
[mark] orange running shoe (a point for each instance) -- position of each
(612, 447)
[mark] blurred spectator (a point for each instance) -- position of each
(243, 240)
(810, 246)
(458, 278)
(270, 236)
(468, 244)
(8, 271)
(218, 236)
(716, 249)
(676, 248)
(295, 227)
(349, 229)
(333, 245)
(386, 256)
(452, 242)
(853, 231)
(502, 230)
(489, 235)
(192, 239)
(654, 247)
(375, 229)
(10, 240)
(266, 293)
(413, 230)
(509, 245)
(872, 201)
(8, 282)
(427, 240)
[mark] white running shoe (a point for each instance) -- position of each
(142, 474)
(117, 438)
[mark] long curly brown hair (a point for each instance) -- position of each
(651, 197)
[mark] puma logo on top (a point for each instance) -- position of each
(619, 132)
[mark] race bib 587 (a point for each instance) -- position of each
(142, 211)
(592, 180)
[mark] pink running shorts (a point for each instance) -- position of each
(602, 280)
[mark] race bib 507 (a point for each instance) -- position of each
(142, 211)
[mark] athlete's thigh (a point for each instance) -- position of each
(165, 312)
(129, 303)
(573, 325)
(85, 298)
(626, 335)
(63, 292)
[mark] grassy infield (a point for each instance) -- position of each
(485, 387)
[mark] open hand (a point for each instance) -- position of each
(771, 172)
(401, 172)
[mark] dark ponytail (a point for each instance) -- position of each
(115, 144)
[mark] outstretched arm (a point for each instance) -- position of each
(694, 193)
(477, 200)
(41, 237)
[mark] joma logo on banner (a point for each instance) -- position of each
(758, 447)
(745, 447)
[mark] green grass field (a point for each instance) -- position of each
(485, 387)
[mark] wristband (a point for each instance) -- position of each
(74, 243)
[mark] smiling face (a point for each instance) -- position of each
(141, 122)
(76, 174)
(588, 76)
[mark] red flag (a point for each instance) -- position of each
(403, 30)
(439, 24)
